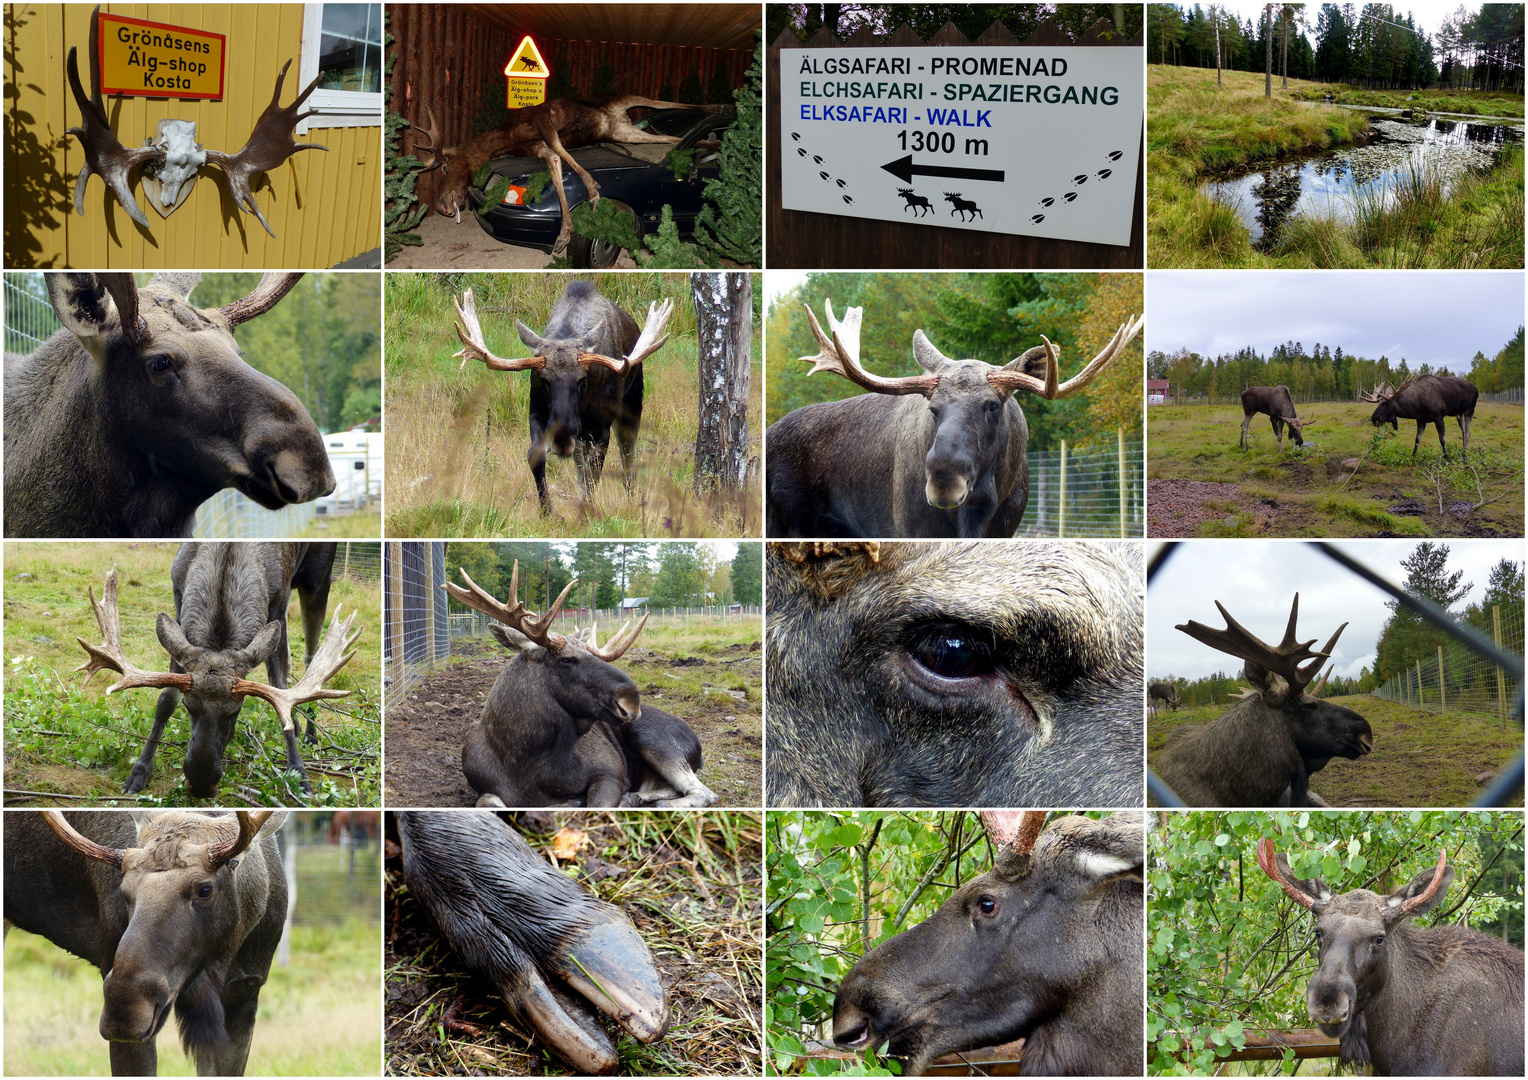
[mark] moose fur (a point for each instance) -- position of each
(954, 674)
(1046, 947)
(1429, 399)
(1279, 406)
(1440, 1001)
(145, 923)
(124, 430)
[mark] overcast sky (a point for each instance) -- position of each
(1425, 317)
(1256, 580)
(1426, 16)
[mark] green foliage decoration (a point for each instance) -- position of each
(401, 217)
(731, 224)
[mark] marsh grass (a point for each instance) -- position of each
(70, 737)
(1464, 102)
(689, 880)
(1193, 130)
(457, 437)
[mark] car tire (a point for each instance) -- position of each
(587, 254)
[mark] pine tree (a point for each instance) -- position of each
(731, 224)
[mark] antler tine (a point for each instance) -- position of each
(1427, 894)
(272, 288)
(124, 294)
(104, 154)
(513, 615)
(1321, 684)
(471, 333)
(649, 343)
(109, 655)
(269, 144)
(330, 657)
(1122, 337)
(72, 838)
(1285, 660)
(616, 647)
(1005, 381)
(840, 355)
(432, 129)
(250, 823)
(1270, 866)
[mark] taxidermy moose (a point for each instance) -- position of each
(171, 162)
(546, 131)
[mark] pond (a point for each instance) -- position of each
(1330, 183)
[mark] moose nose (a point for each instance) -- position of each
(628, 705)
(946, 490)
(852, 1030)
(134, 1005)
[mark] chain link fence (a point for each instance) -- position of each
(1094, 491)
(232, 515)
(416, 630)
(1457, 680)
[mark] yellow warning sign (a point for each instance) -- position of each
(527, 62)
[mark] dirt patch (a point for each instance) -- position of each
(1181, 507)
(718, 695)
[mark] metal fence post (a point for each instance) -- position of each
(1061, 519)
(1442, 693)
(1501, 676)
(1421, 700)
(1120, 436)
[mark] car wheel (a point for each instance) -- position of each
(587, 254)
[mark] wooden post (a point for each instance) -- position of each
(429, 606)
(395, 592)
(1061, 506)
(1120, 433)
(1501, 676)
(1420, 699)
(1442, 695)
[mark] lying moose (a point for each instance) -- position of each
(1046, 948)
(564, 726)
(555, 952)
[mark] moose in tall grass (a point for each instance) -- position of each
(1427, 399)
(931, 455)
(1046, 947)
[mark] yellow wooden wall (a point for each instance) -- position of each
(325, 207)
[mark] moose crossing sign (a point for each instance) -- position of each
(1033, 141)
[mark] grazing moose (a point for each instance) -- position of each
(546, 131)
(1263, 750)
(554, 951)
(564, 725)
(231, 603)
(1444, 1001)
(1162, 693)
(962, 207)
(937, 454)
(175, 907)
(140, 410)
(1279, 406)
(1046, 947)
(1427, 399)
(966, 674)
(586, 378)
(914, 201)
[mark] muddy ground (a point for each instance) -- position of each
(719, 695)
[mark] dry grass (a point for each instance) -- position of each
(457, 438)
(689, 880)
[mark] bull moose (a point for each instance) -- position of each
(564, 725)
(937, 454)
(954, 674)
(231, 603)
(558, 955)
(1279, 406)
(586, 378)
(1427, 399)
(175, 907)
(1441, 1001)
(140, 409)
(1263, 750)
(1046, 947)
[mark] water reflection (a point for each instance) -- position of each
(1326, 183)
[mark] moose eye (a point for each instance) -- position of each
(987, 906)
(1379, 939)
(159, 364)
(1318, 933)
(954, 652)
(204, 890)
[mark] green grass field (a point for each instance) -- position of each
(1420, 758)
(1195, 129)
(457, 438)
(318, 1017)
(1307, 492)
(67, 737)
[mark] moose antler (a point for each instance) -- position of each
(109, 655)
(83, 844)
(471, 333)
(432, 129)
(649, 343)
(250, 823)
(1270, 866)
(840, 355)
(267, 295)
(516, 616)
(104, 154)
(1006, 381)
(1017, 828)
(1382, 392)
(616, 647)
(268, 146)
(330, 657)
(1285, 660)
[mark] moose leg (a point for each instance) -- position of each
(143, 768)
(535, 457)
(554, 166)
(591, 189)
(1421, 427)
(1246, 421)
(1441, 444)
(315, 605)
(294, 760)
(134, 1059)
(1464, 434)
(1278, 431)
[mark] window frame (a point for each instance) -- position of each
(331, 108)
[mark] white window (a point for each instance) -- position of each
(342, 43)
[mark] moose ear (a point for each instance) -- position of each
(260, 649)
(178, 283)
(1416, 887)
(511, 639)
(85, 308)
(929, 358)
(175, 642)
(532, 340)
(1100, 852)
(1032, 363)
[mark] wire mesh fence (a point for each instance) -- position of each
(359, 560)
(476, 624)
(1457, 680)
(1086, 491)
(29, 318)
(334, 874)
(416, 633)
(232, 515)
(1512, 396)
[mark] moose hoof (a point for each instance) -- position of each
(137, 780)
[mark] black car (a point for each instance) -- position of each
(639, 178)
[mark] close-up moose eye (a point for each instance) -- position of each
(987, 906)
(954, 652)
(159, 364)
(204, 890)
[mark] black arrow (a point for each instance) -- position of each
(904, 169)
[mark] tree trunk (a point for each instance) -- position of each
(724, 325)
(1215, 15)
(1268, 60)
(1285, 46)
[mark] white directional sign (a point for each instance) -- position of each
(1034, 141)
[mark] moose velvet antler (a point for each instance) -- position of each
(267, 295)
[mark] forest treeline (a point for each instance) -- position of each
(1322, 373)
(990, 317)
(672, 574)
(1373, 46)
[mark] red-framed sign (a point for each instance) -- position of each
(149, 59)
